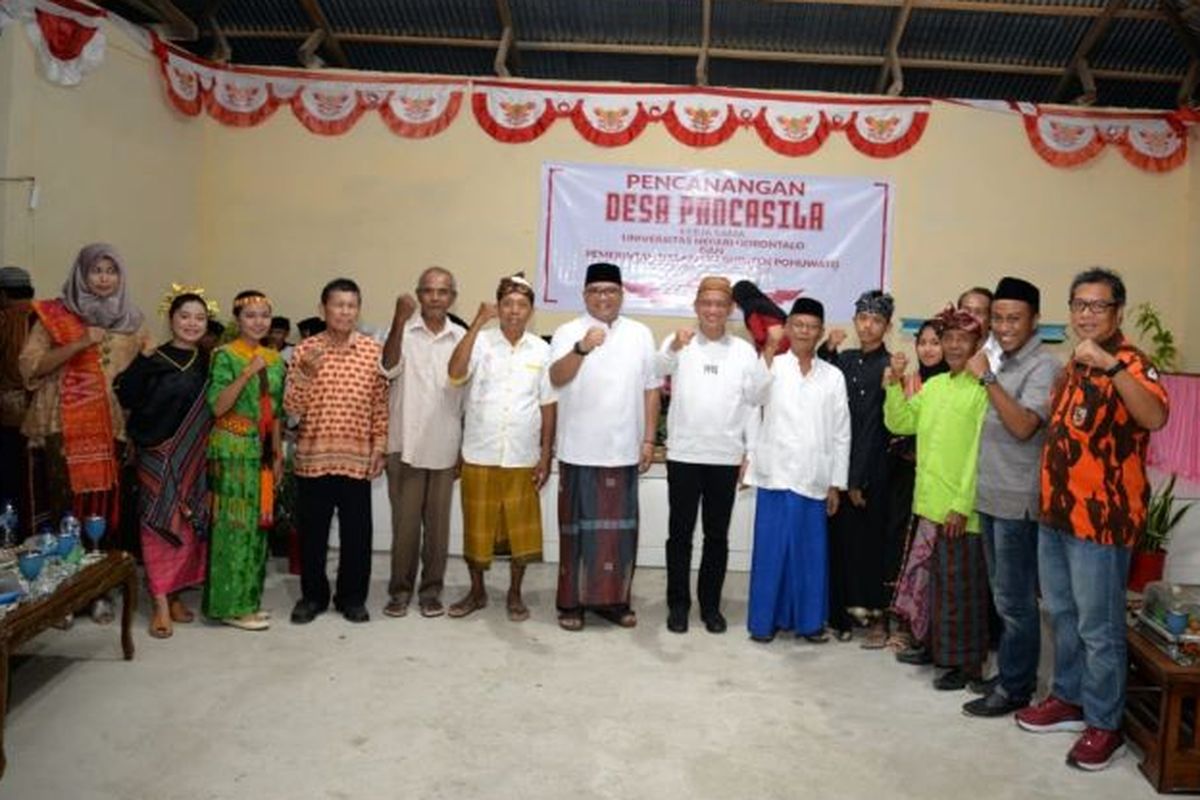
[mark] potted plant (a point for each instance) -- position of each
(1162, 351)
(1150, 555)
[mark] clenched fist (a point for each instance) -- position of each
(592, 339)
(682, 337)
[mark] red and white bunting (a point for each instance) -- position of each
(245, 96)
(66, 35)
(615, 116)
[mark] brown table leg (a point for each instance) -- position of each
(128, 602)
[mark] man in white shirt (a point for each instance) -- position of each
(977, 301)
(507, 441)
(717, 381)
(424, 434)
(800, 462)
(603, 369)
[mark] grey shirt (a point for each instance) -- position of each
(1009, 469)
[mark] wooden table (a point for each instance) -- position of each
(1161, 709)
(116, 569)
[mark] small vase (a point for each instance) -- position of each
(1145, 568)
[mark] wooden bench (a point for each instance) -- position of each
(116, 569)
(1161, 715)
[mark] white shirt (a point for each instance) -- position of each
(602, 412)
(507, 387)
(803, 444)
(715, 385)
(425, 410)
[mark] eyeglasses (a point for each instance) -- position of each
(805, 326)
(603, 291)
(1094, 306)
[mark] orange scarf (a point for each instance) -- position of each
(87, 428)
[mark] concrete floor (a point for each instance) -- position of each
(483, 708)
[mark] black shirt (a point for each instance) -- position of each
(159, 390)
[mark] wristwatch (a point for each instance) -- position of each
(987, 378)
(580, 351)
(1115, 368)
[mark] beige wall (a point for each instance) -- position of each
(113, 163)
(281, 209)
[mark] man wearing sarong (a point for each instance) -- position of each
(799, 462)
(716, 385)
(1007, 494)
(1093, 512)
(858, 545)
(508, 440)
(947, 417)
(603, 369)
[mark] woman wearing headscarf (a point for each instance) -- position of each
(947, 417)
(169, 424)
(78, 344)
(245, 453)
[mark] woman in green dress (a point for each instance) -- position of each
(245, 456)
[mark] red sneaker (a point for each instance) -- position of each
(1051, 715)
(1096, 749)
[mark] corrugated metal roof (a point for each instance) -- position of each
(1139, 44)
(602, 67)
(460, 18)
(792, 77)
(789, 26)
(1002, 38)
(436, 60)
(625, 21)
(1019, 39)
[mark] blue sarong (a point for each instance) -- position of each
(789, 581)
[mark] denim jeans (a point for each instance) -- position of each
(1083, 589)
(1011, 549)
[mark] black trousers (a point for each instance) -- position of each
(709, 489)
(316, 499)
(857, 554)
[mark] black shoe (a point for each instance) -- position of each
(305, 612)
(677, 620)
(983, 687)
(762, 639)
(917, 656)
(996, 704)
(952, 680)
(715, 622)
(356, 614)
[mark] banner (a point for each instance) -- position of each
(825, 238)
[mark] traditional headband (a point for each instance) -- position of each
(251, 300)
(875, 302)
(164, 308)
(520, 278)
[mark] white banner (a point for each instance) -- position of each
(826, 238)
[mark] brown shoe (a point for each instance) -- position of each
(432, 608)
(396, 607)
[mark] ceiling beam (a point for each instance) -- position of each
(705, 43)
(175, 24)
(507, 57)
(1083, 49)
(987, 7)
(735, 54)
(891, 66)
(331, 45)
(1183, 32)
(1188, 87)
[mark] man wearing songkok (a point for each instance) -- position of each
(799, 462)
(508, 440)
(424, 434)
(603, 369)
(340, 398)
(716, 384)
(1006, 495)
(947, 417)
(16, 305)
(1093, 513)
(857, 545)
